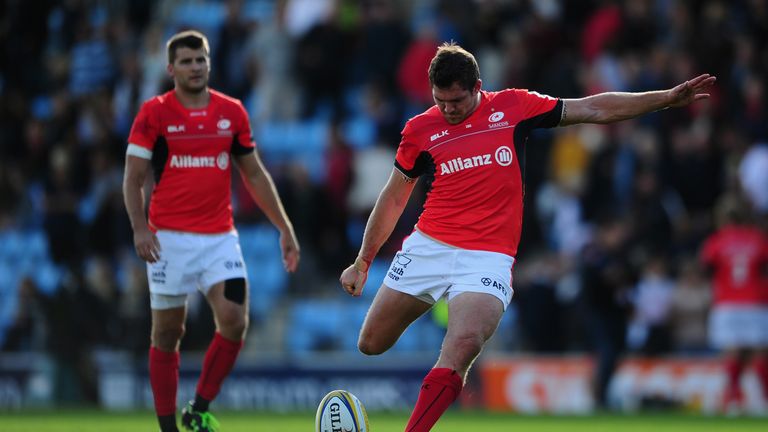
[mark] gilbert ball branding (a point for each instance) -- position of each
(341, 411)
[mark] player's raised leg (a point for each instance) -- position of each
(472, 320)
(229, 302)
(391, 312)
(167, 331)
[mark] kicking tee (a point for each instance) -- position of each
(474, 168)
(190, 152)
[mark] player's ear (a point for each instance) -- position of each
(478, 85)
(169, 69)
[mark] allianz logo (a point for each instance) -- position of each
(460, 164)
(503, 156)
(188, 161)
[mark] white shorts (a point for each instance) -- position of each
(189, 262)
(428, 270)
(739, 326)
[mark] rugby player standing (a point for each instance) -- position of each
(189, 138)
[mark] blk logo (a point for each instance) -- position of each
(486, 281)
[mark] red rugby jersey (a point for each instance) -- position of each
(191, 158)
(475, 199)
(739, 256)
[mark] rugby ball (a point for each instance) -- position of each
(341, 411)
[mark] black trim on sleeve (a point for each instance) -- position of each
(548, 119)
(159, 157)
(419, 167)
(238, 149)
(551, 118)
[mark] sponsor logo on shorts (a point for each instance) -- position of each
(486, 281)
(398, 266)
(233, 264)
(158, 272)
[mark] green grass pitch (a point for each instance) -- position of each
(454, 421)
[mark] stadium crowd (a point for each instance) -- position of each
(615, 215)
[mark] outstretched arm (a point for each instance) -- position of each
(263, 191)
(615, 106)
(389, 206)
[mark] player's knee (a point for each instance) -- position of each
(234, 290)
(233, 324)
(369, 346)
(167, 339)
(467, 346)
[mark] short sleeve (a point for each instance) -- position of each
(145, 129)
(544, 111)
(242, 142)
(407, 159)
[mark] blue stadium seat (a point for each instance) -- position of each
(315, 324)
(266, 276)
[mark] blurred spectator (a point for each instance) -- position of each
(335, 247)
(28, 330)
(321, 62)
(753, 175)
(231, 75)
(410, 73)
(91, 64)
(691, 301)
(383, 42)
(649, 329)
(271, 53)
(62, 224)
(737, 254)
(606, 281)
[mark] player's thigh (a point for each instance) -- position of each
(472, 314)
(229, 301)
(391, 312)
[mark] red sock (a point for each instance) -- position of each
(733, 369)
(219, 359)
(761, 369)
(441, 387)
(164, 378)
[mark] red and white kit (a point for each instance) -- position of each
(191, 153)
(739, 256)
(191, 209)
(475, 198)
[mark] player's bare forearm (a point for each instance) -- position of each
(263, 191)
(616, 106)
(133, 192)
(389, 206)
(144, 240)
(613, 106)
